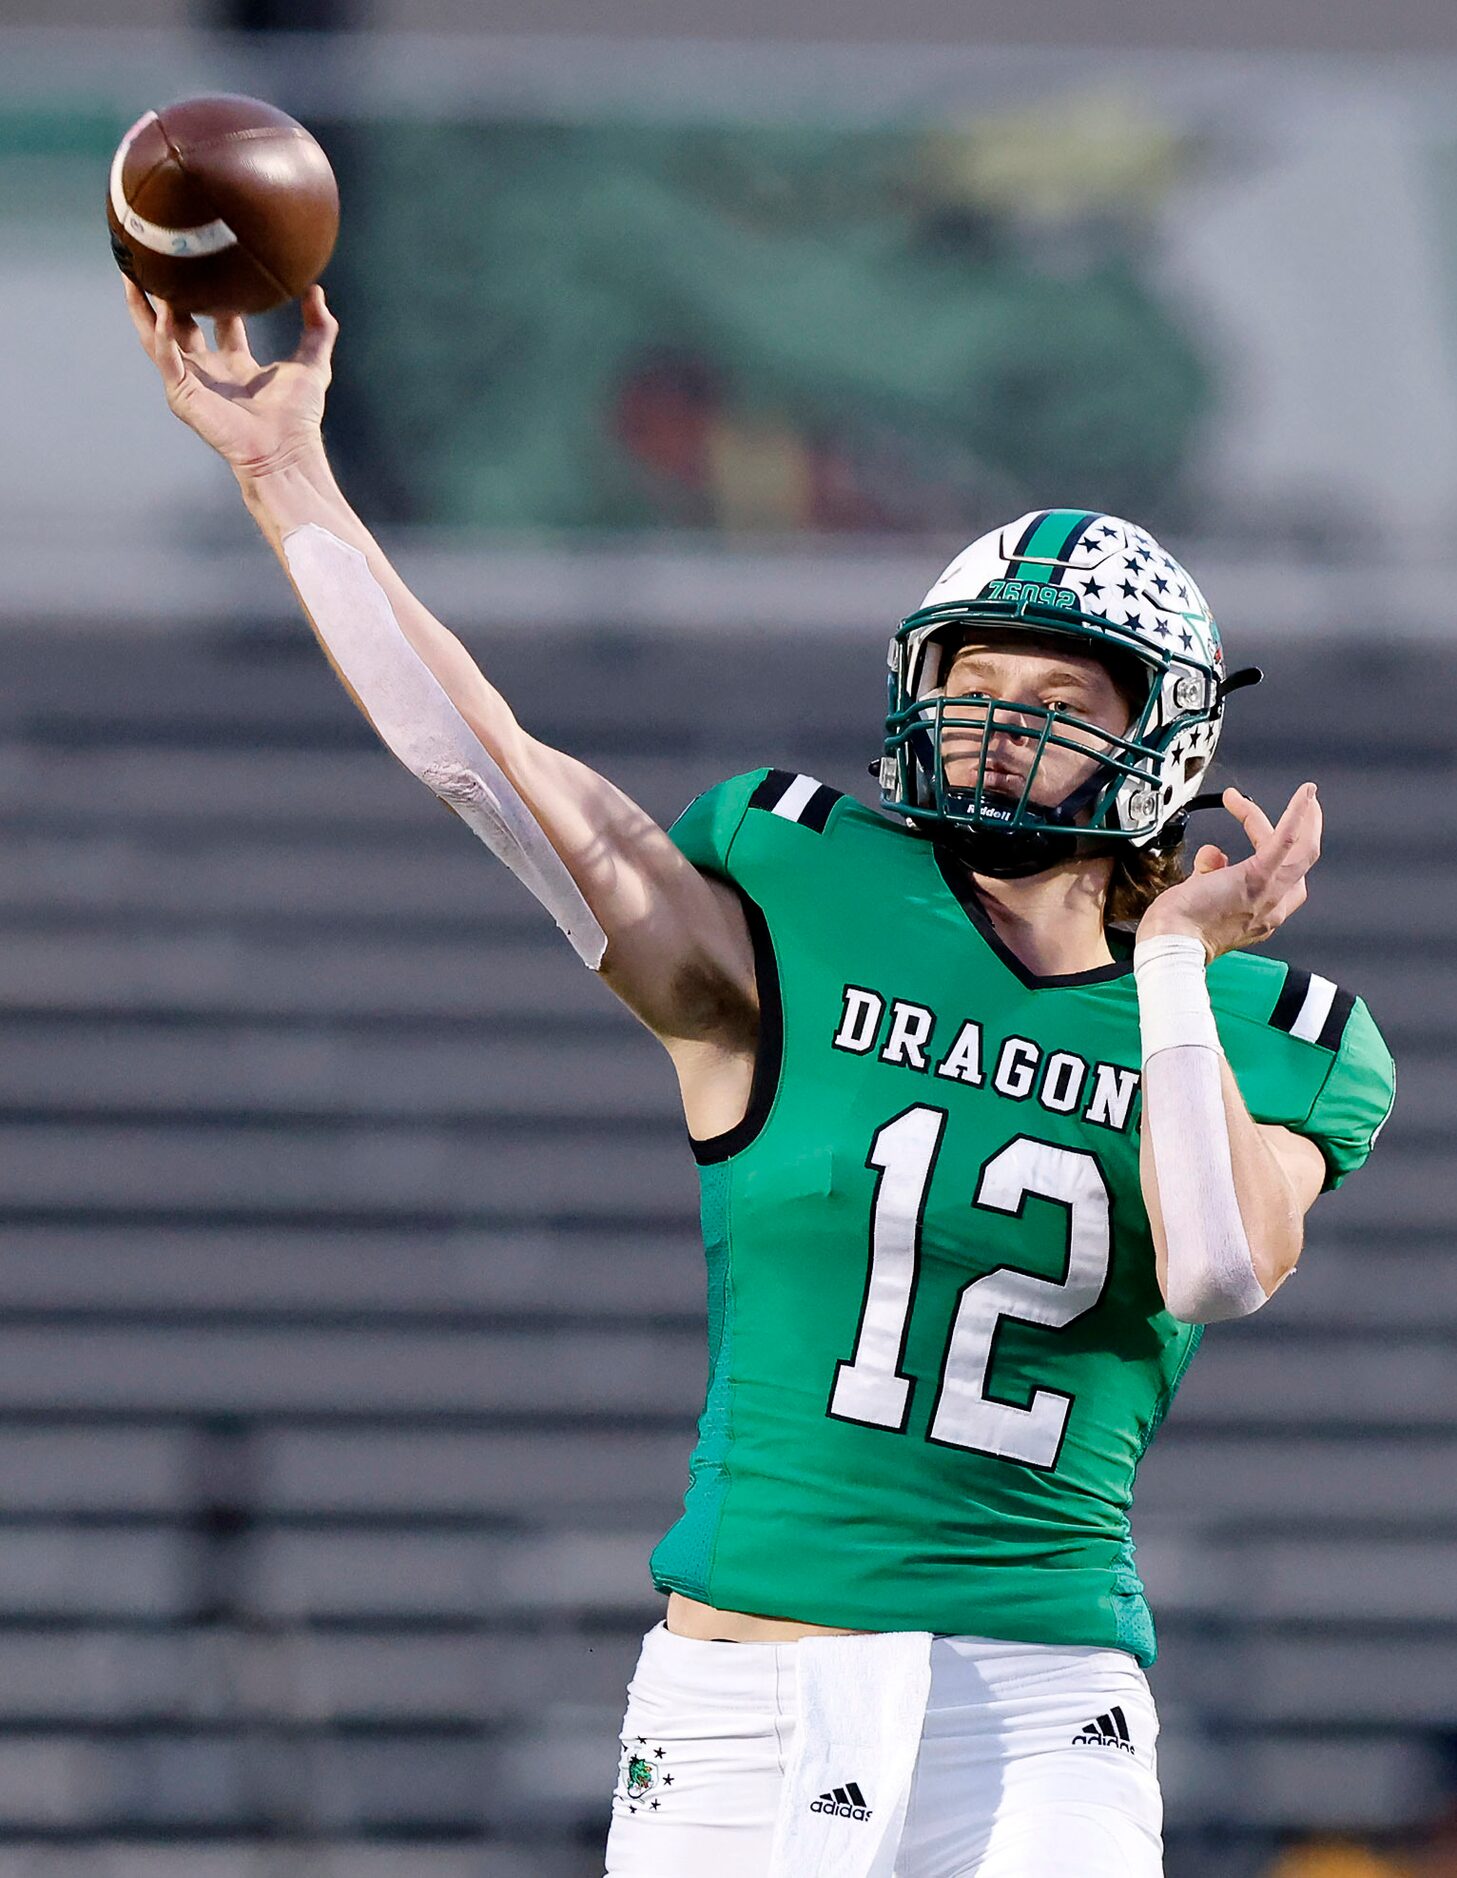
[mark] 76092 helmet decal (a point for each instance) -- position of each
(1108, 587)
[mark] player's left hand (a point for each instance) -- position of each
(1230, 904)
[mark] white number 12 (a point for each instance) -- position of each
(872, 1387)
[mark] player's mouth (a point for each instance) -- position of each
(994, 778)
(1003, 781)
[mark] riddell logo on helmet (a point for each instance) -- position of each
(1031, 592)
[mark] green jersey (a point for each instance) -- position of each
(937, 1343)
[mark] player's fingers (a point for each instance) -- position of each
(1294, 847)
(1250, 816)
(178, 329)
(1288, 904)
(230, 335)
(1278, 892)
(158, 346)
(183, 330)
(143, 319)
(320, 330)
(1311, 826)
(165, 350)
(1299, 807)
(1210, 859)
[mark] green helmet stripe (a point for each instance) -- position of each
(1029, 532)
(1051, 539)
(1074, 534)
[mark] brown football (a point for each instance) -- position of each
(221, 205)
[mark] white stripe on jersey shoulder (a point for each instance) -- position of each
(1309, 1022)
(804, 800)
(1312, 1009)
(795, 800)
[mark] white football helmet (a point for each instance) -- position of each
(1108, 585)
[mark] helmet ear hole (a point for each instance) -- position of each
(1193, 765)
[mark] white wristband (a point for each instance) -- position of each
(1173, 994)
(1209, 1272)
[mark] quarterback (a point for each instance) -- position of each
(993, 1111)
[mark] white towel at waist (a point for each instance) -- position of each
(860, 1705)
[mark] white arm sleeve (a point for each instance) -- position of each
(416, 719)
(1209, 1273)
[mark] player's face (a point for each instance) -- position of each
(1036, 673)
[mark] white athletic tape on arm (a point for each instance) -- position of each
(1209, 1274)
(412, 713)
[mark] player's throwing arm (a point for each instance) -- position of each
(673, 945)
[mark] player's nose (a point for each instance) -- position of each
(1013, 721)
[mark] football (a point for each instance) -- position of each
(221, 205)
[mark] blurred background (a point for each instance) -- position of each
(351, 1316)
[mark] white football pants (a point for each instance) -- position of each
(1034, 1762)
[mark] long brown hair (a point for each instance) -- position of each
(1139, 877)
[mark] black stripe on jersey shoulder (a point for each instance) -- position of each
(1339, 1015)
(815, 813)
(768, 1052)
(772, 790)
(1291, 1000)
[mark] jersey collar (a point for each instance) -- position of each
(959, 882)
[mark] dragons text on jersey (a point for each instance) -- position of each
(904, 1033)
(938, 1347)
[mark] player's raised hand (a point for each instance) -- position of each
(1232, 904)
(257, 417)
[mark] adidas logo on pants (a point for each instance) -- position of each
(846, 1802)
(1107, 1731)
